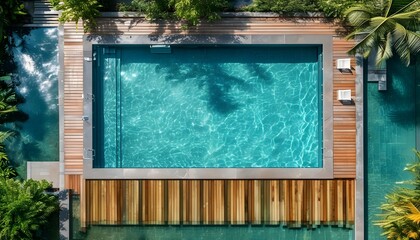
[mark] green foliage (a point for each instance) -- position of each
(7, 97)
(24, 207)
(330, 8)
(10, 11)
(386, 27)
(191, 11)
(400, 216)
(76, 10)
(154, 9)
(7, 105)
(194, 10)
(6, 171)
(284, 6)
(336, 8)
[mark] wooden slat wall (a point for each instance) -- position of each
(74, 181)
(295, 203)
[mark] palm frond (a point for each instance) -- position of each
(8, 110)
(4, 136)
(384, 50)
(402, 8)
(406, 15)
(379, 26)
(412, 235)
(414, 213)
(393, 31)
(363, 47)
(358, 16)
(401, 43)
(5, 78)
(413, 41)
(387, 7)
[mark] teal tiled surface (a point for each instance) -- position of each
(216, 232)
(242, 232)
(391, 136)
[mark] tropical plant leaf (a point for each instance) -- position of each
(400, 218)
(384, 50)
(358, 16)
(5, 78)
(396, 30)
(414, 213)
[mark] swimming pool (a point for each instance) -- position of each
(207, 106)
(35, 53)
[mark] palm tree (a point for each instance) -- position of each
(386, 27)
(400, 218)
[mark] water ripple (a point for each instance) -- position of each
(204, 108)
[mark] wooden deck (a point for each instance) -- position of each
(344, 145)
(344, 115)
(73, 106)
(294, 203)
(291, 202)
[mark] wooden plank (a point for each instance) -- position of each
(296, 203)
(174, 207)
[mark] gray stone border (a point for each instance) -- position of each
(61, 105)
(359, 188)
(326, 172)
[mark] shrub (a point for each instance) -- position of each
(24, 207)
(76, 10)
(191, 11)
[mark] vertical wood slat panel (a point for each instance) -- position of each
(174, 207)
(83, 208)
(236, 201)
(131, 201)
(274, 201)
(295, 203)
(191, 204)
(73, 181)
(153, 202)
(254, 199)
(213, 202)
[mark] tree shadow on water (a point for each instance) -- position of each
(215, 80)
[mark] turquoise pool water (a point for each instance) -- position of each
(35, 53)
(208, 107)
(391, 136)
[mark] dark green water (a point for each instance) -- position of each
(36, 56)
(391, 135)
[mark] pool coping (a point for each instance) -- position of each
(326, 172)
